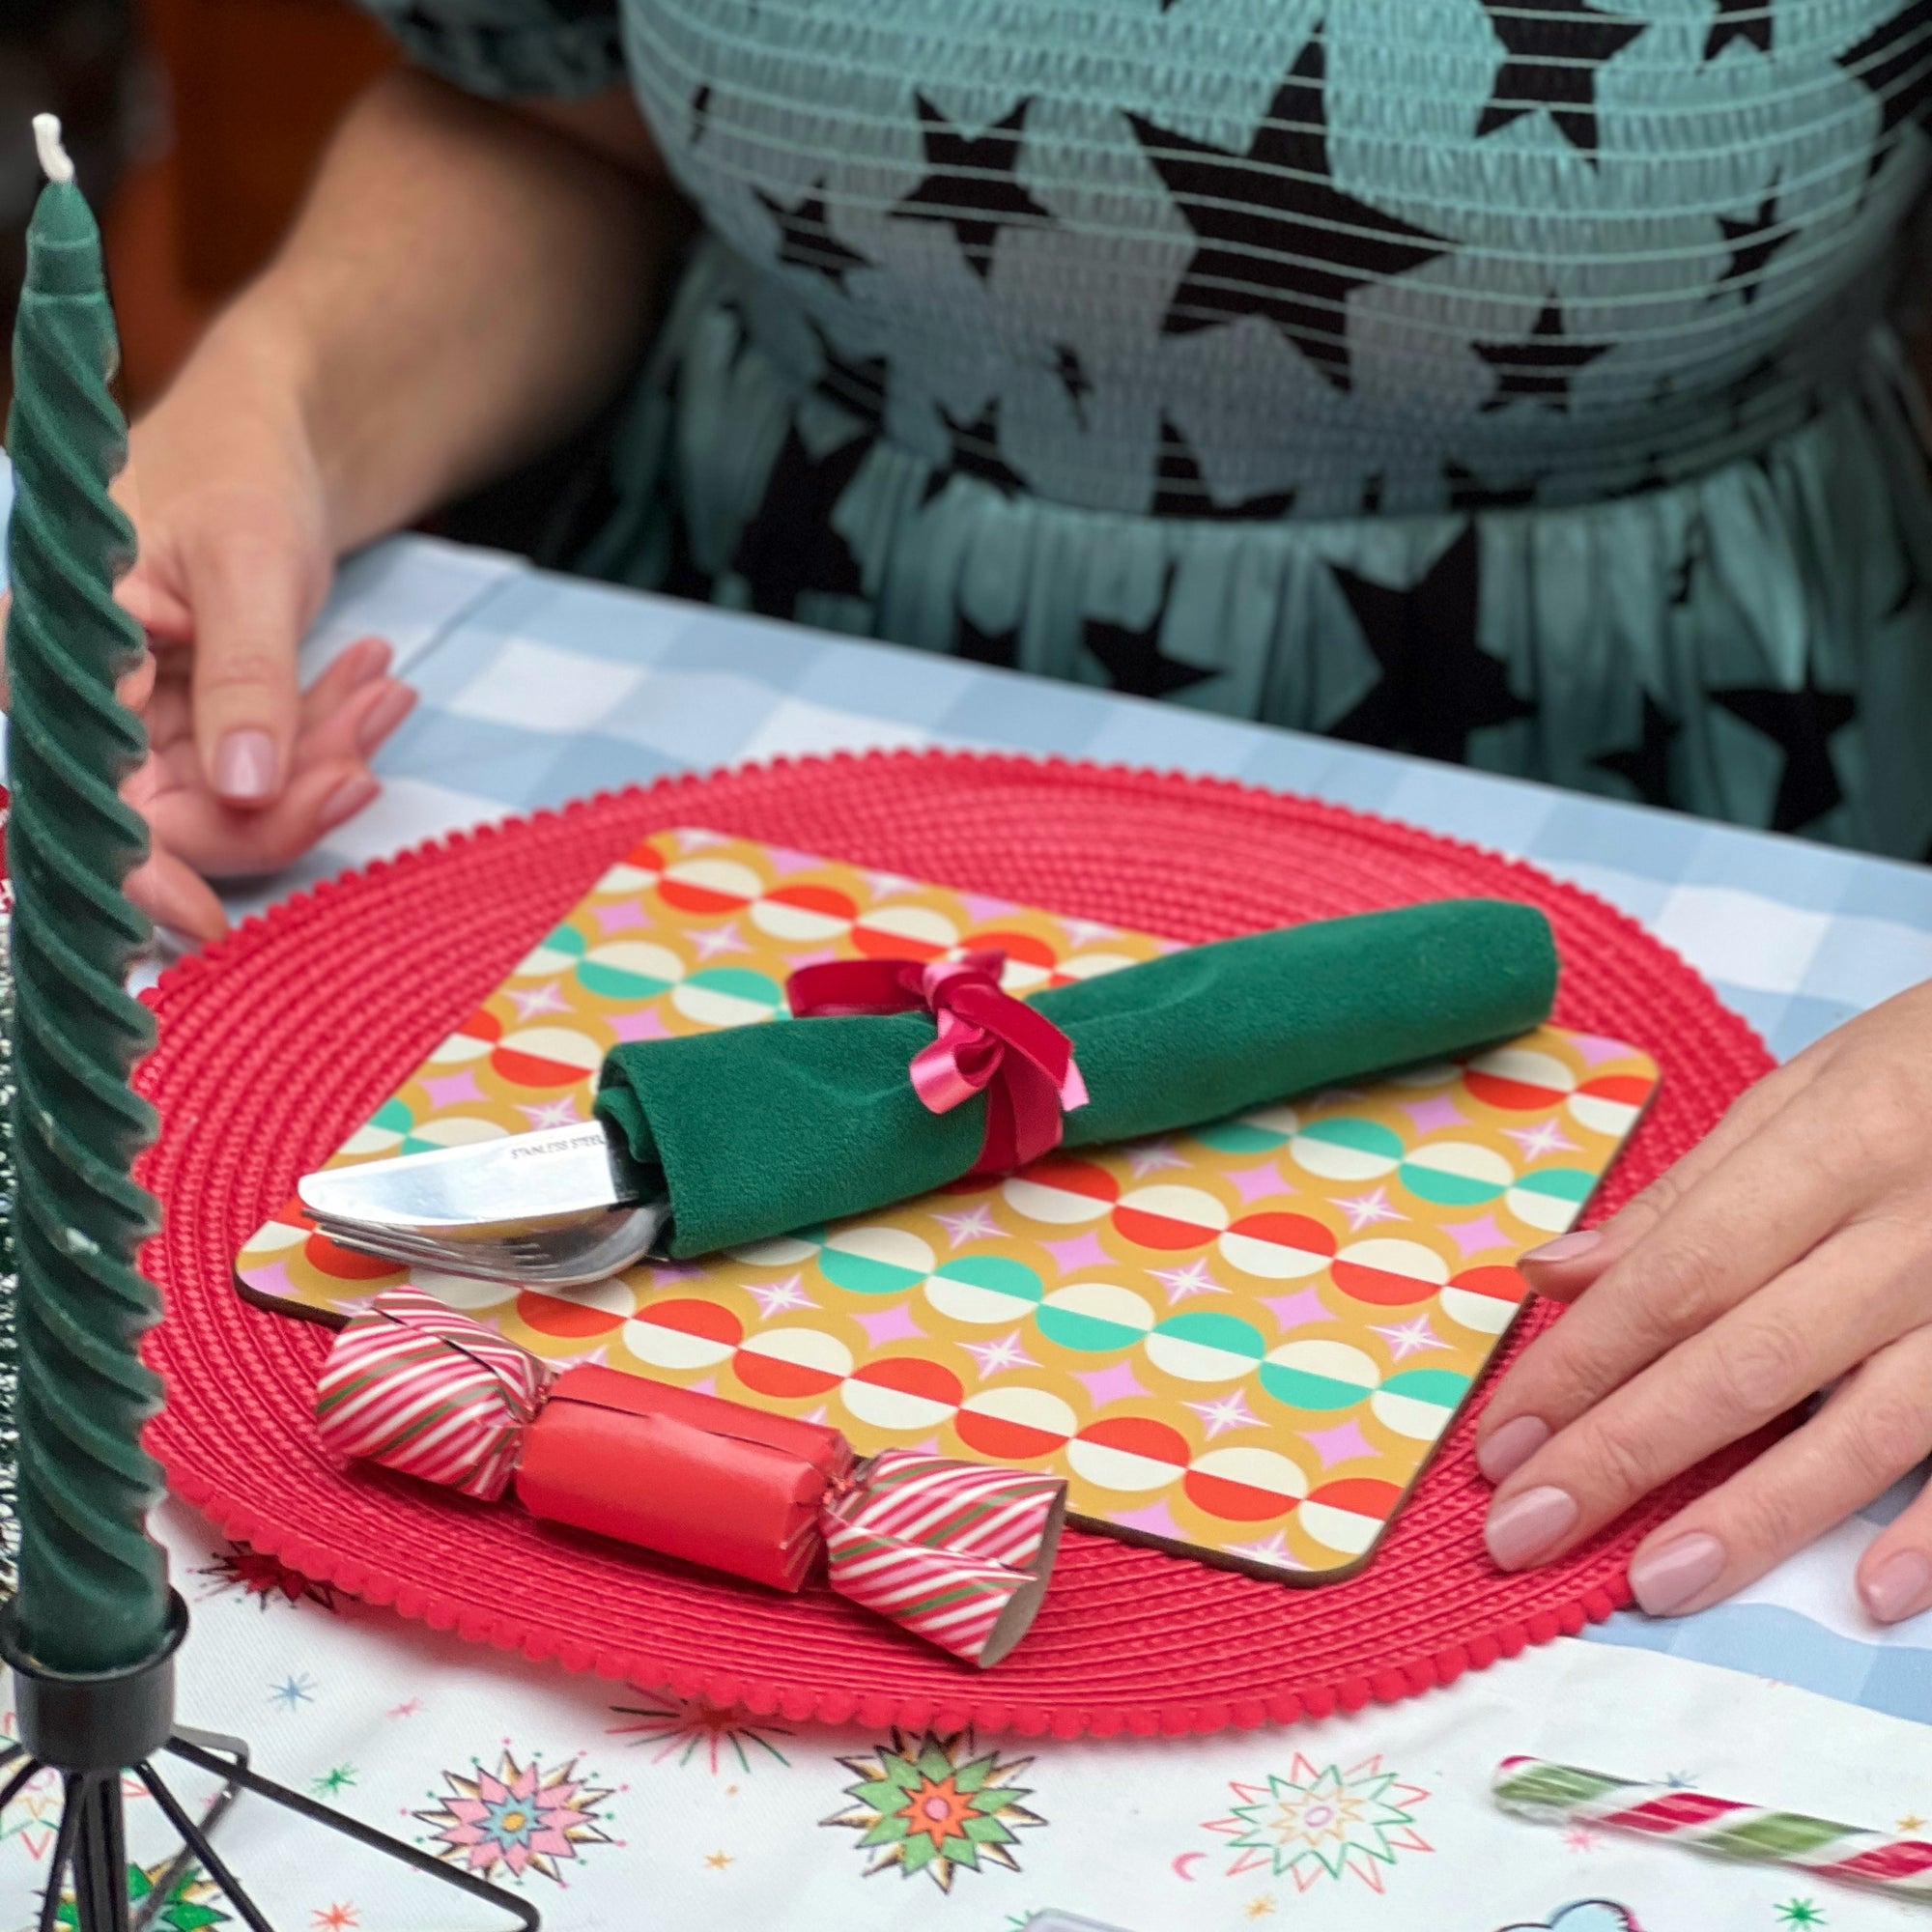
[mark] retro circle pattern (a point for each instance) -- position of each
(1246, 1340)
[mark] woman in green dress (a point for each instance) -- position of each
(1506, 381)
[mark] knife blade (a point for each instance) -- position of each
(495, 1189)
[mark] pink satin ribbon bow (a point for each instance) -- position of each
(989, 1042)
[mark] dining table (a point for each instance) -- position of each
(607, 1804)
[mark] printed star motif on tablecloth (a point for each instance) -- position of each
(411, 1708)
(1228, 1411)
(1556, 49)
(1003, 1352)
(1580, 1838)
(1800, 1911)
(1410, 1338)
(1332, 1823)
(293, 1692)
(928, 1805)
(683, 1728)
(1911, 1822)
(1291, 259)
(249, 1573)
(1364, 1210)
(725, 938)
(1148, 1157)
(546, 998)
(972, 1224)
(773, 1296)
(550, 1113)
(1547, 1137)
(972, 182)
(1184, 1282)
(334, 1918)
(516, 1819)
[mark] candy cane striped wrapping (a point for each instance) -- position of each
(1721, 1826)
(956, 1552)
(419, 1388)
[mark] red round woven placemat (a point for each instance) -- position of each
(276, 1043)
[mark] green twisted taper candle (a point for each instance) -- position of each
(93, 1584)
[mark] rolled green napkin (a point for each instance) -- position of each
(758, 1130)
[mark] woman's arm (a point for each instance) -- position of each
(467, 283)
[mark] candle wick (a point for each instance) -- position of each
(53, 155)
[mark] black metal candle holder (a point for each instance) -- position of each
(96, 1730)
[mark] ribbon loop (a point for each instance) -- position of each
(986, 1043)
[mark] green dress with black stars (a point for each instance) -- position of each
(1506, 381)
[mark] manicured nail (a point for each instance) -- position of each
(1519, 1530)
(244, 766)
(1899, 1586)
(345, 801)
(1566, 1247)
(385, 715)
(1511, 1447)
(1670, 1579)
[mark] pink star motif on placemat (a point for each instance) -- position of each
(983, 905)
(1475, 1237)
(644, 1025)
(1298, 1310)
(1272, 1550)
(1082, 1251)
(621, 916)
(1259, 1183)
(1228, 1411)
(1340, 1444)
(971, 1224)
(1148, 1157)
(451, 1089)
(1181, 1282)
(773, 1295)
(1596, 1048)
(724, 938)
(1003, 1352)
(1115, 1384)
(1545, 1138)
(890, 1324)
(1438, 1111)
(784, 860)
(544, 999)
(664, 1273)
(550, 1113)
(1365, 1210)
(1410, 1338)
(1155, 1520)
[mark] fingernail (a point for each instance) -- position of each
(1672, 1579)
(345, 801)
(385, 715)
(1566, 1247)
(1519, 1530)
(244, 766)
(1899, 1586)
(1511, 1447)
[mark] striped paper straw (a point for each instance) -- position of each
(1562, 1794)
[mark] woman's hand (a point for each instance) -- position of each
(245, 771)
(1790, 1252)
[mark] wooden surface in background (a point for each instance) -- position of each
(256, 88)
